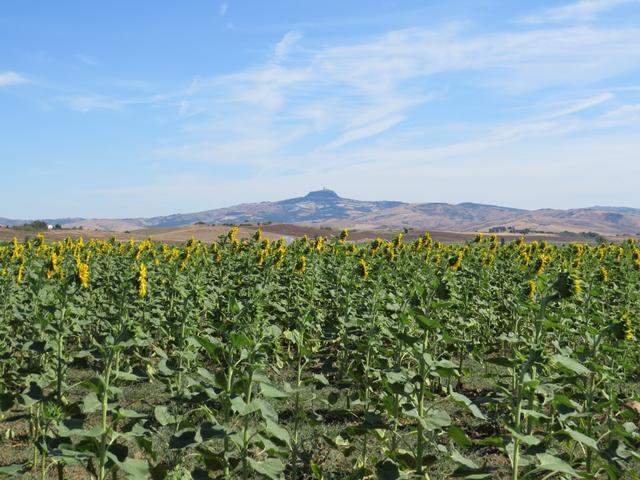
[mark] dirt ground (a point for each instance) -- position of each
(210, 233)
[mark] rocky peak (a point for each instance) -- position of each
(324, 194)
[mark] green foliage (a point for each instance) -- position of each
(263, 368)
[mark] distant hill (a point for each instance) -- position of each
(51, 221)
(326, 207)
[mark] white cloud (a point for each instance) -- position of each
(365, 88)
(625, 113)
(309, 109)
(365, 131)
(87, 60)
(223, 9)
(11, 78)
(430, 178)
(285, 45)
(88, 103)
(581, 10)
(581, 105)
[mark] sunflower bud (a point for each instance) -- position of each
(530, 290)
(568, 285)
(83, 274)
(363, 269)
(301, 264)
(604, 275)
(142, 281)
(629, 333)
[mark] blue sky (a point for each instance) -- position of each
(120, 108)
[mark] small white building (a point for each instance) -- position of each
(49, 227)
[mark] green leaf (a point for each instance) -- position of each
(494, 441)
(458, 458)
(277, 431)
(127, 413)
(571, 364)
(526, 439)
(532, 413)
(271, 468)
(210, 346)
(270, 391)
(12, 469)
(266, 409)
(320, 379)
(239, 340)
(458, 435)
(501, 361)
(392, 307)
(433, 419)
(582, 438)
(395, 377)
(162, 415)
(133, 467)
(427, 323)
(207, 376)
(242, 408)
(90, 403)
(129, 377)
(550, 463)
(463, 400)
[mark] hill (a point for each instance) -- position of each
(327, 208)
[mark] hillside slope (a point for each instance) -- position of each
(325, 207)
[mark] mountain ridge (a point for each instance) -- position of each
(326, 207)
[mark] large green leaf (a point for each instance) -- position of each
(12, 469)
(270, 391)
(551, 463)
(270, 468)
(458, 458)
(463, 400)
(571, 364)
(277, 431)
(582, 438)
(133, 468)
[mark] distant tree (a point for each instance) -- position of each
(33, 226)
(57, 226)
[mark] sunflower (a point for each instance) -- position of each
(142, 281)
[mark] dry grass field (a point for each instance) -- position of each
(209, 233)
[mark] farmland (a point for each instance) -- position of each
(323, 359)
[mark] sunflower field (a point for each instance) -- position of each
(320, 359)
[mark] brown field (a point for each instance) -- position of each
(209, 233)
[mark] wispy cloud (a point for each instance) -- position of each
(317, 108)
(284, 46)
(365, 131)
(87, 60)
(580, 11)
(87, 103)
(363, 89)
(581, 105)
(626, 113)
(11, 78)
(223, 9)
